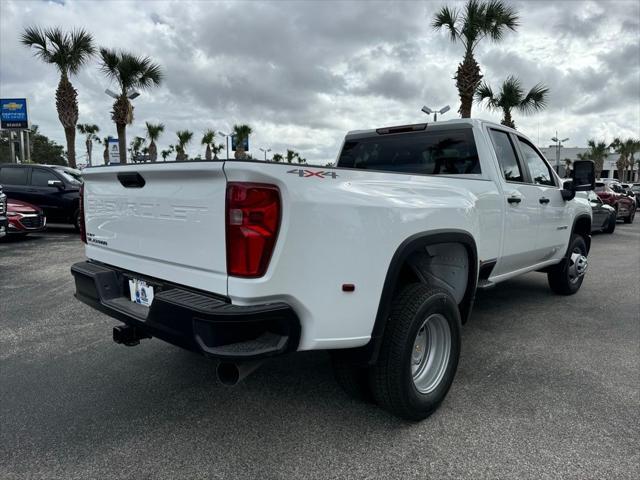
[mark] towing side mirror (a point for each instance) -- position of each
(583, 176)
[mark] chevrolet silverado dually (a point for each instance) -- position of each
(377, 259)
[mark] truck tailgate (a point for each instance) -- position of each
(160, 220)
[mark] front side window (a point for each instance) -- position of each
(538, 168)
(13, 176)
(430, 153)
(506, 156)
(41, 177)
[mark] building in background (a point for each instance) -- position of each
(609, 169)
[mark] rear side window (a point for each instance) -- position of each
(507, 158)
(13, 176)
(41, 177)
(539, 170)
(441, 152)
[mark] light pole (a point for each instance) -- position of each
(265, 152)
(226, 136)
(429, 111)
(558, 147)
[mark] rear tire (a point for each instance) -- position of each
(419, 353)
(611, 224)
(565, 278)
(76, 221)
(629, 218)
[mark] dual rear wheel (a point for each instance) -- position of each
(418, 357)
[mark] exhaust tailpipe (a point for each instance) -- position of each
(231, 374)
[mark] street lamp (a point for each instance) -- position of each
(265, 152)
(558, 147)
(226, 136)
(429, 111)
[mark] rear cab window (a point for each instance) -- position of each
(437, 152)
(13, 176)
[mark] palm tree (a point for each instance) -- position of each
(136, 145)
(165, 153)
(479, 19)
(241, 133)
(69, 52)
(301, 159)
(597, 152)
(512, 97)
(626, 149)
(89, 130)
(153, 133)
(277, 157)
(632, 161)
(208, 139)
(216, 149)
(184, 137)
(129, 72)
(291, 156)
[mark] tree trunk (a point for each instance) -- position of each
(598, 164)
(105, 154)
(89, 145)
(207, 153)
(153, 151)
(121, 128)
(467, 79)
(122, 115)
(239, 152)
(67, 107)
(70, 134)
(507, 120)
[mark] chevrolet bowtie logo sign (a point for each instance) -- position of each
(13, 113)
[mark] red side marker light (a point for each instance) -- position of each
(348, 287)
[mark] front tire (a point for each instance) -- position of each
(611, 224)
(419, 353)
(566, 277)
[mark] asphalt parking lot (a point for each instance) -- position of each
(547, 387)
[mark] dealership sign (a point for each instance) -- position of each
(114, 150)
(234, 143)
(13, 113)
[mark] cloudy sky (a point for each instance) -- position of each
(303, 73)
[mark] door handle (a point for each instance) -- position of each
(544, 200)
(514, 199)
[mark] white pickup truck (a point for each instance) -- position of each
(376, 260)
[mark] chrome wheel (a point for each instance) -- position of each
(430, 354)
(577, 265)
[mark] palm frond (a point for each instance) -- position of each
(37, 39)
(499, 17)
(154, 130)
(447, 17)
(511, 93)
(485, 92)
(80, 49)
(535, 100)
(109, 63)
(208, 137)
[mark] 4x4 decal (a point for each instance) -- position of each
(313, 173)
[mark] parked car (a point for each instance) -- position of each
(24, 218)
(635, 188)
(55, 189)
(377, 260)
(3, 213)
(612, 194)
(604, 216)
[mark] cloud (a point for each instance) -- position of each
(304, 73)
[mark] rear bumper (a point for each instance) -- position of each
(190, 319)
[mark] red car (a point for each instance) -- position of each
(613, 194)
(24, 218)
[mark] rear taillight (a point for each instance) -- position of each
(252, 222)
(83, 230)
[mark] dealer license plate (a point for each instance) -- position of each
(140, 292)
